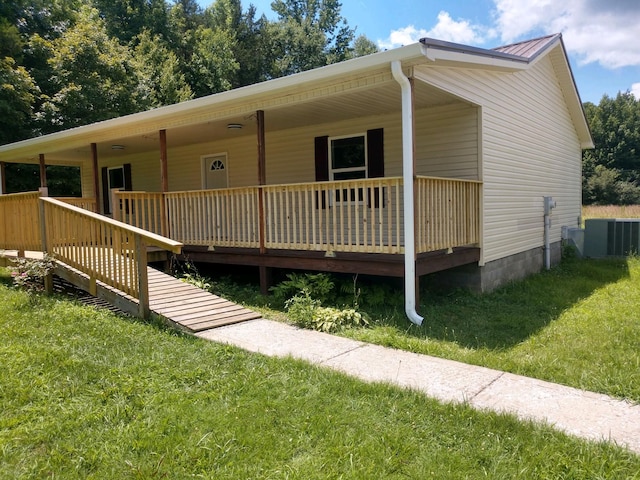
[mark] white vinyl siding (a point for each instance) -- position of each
(530, 150)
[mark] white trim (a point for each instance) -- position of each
(204, 166)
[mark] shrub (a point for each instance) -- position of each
(29, 273)
(316, 285)
(307, 312)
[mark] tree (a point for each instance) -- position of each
(93, 77)
(611, 171)
(160, 78)
(17, 95)
(364, 46)
(212, 64)
(308, 34)
(126, 19)
(248, 36)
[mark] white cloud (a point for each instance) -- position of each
(635, 89)
(447, 29)
(596, 31)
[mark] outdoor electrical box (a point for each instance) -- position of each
(611, 237)
(549, 204)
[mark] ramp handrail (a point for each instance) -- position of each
(106, 250)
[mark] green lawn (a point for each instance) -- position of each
(578, 324)
(87, 394)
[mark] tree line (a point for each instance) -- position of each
(67, 63)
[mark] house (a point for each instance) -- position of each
(474, 154)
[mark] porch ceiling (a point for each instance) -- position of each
(380, 99)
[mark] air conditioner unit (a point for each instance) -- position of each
(611, 237)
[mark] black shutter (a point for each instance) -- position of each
(322, 164)
(126, 170)
(375, 160)
(105, 190)
(322, 158)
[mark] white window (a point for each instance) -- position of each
(348, 161)
(348, 157)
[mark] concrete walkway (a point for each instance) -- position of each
(584, 414)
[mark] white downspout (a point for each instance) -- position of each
(549, 204)
(407, 178)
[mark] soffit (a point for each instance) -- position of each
(306, 109)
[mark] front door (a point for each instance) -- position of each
(215, 172)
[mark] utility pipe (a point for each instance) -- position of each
(407, 178)
(549, 204)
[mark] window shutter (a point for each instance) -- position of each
(322, 165)
(105, 190)
(126, 170)
(375, 160)
(322, 158)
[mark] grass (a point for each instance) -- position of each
(610, 211)
(88, 394)
(577, 325)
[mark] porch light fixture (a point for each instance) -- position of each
(117, 147)
(234, 126)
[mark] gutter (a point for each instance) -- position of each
(407, 178)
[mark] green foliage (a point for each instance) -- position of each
(17, 96)
(611, 171)
(318, 286)
(29, 273)
(93, 76)
(605, 187)
(306, 312)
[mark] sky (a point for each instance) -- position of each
(602, 37)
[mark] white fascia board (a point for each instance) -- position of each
(450, 58)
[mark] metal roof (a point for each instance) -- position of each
(529, 49)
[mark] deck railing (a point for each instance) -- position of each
(447, 213)
(343, 216)
(224, 218)
(346, 216)
(20, 222)
(88, 203)
(106, 250)
(144, 210)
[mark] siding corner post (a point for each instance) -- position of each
(143, 281)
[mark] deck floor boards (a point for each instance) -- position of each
(184, 304)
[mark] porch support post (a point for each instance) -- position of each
(164, 181)
(96, 175)
(265, 272)
(3, 181)
(43, 171)
(164, 176)
(408, 180)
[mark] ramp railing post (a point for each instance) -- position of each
(143, 281)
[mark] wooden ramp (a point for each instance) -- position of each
(180, 303)
(191, 307)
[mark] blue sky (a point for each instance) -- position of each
(602, 37)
